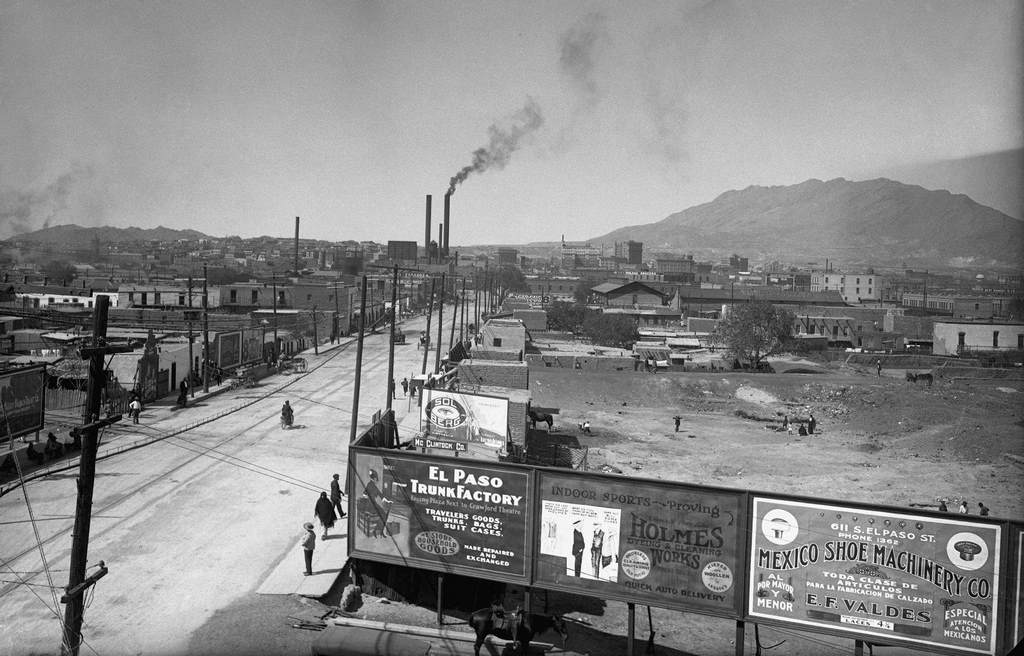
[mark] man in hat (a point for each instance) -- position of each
(308, 545)
(336, 496)
(577, 547)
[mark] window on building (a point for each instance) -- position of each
(497, 341)
(156, 298)
(835, 331)
(976, 306)
(280, 297)
(995, 339)
(858, 281)
(255, 296)
(233, 296)
(309, 297)
(145, 298)
(1020, 342)
(858, 290)
(961, 339)
(131, 297)
(181, 299)
(51, 300)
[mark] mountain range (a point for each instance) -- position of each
(877, 222)
(78, 236)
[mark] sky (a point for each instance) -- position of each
(567, 118)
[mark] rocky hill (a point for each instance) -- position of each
(876, 222)
(75, 236)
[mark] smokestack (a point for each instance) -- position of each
(296, 246)
(447, 219)
(426, 231)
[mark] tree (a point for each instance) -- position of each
(509, 280)
(565, 316)
(750, 332)
(610, 329)
(59, 272)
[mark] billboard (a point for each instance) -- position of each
(252, 346)
(23, 394)
(478, 423)
(671, 546)
(229, 350)
(920, 580)
(438, 514)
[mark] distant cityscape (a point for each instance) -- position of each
(268, 297)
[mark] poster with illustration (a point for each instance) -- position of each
(666, 545)
(465, 418)
(921, 580)
(586, 536)
(440, 515)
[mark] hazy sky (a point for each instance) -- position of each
(235, 117)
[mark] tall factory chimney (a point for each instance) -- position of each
(426, 231)
(296, 246)
(447, 219)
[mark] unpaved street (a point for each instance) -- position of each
(190, 524)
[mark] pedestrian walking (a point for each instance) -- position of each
(134, 408)
(677, 419)
(405, 387)
(963, 507)
(878, 368)
(942, 505)
(336, 496)
(324, 512)
(983, 509)
(308, 545)
(182, 393)
(812, 423)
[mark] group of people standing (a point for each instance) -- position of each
(983, 510)
(324, 511)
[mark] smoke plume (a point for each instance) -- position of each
(504, 140)
(576, 53)
(27, 210)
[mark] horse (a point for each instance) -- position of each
(518, 627)
(536, 416)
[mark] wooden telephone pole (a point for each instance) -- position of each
(78, 583)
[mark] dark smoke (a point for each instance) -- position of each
(504, 140)
(24, 211)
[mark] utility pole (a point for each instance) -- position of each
(359, 366)
(455, 320)
(462, 316)
(78, 583)
(391, 339)
(188, 317)
(316, 347)
(206, 335)
(274, 278)
(430, 315)
(337, 322)
(440, 322)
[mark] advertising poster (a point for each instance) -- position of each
(926, 581)
(479, 422)
(23, 393)
(669, 546)
(252, 346)
(441, 515)
(229, 346)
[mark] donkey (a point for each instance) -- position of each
(518, 627)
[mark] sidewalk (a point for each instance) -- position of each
(329, 560)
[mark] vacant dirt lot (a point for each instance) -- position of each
(879, 439)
